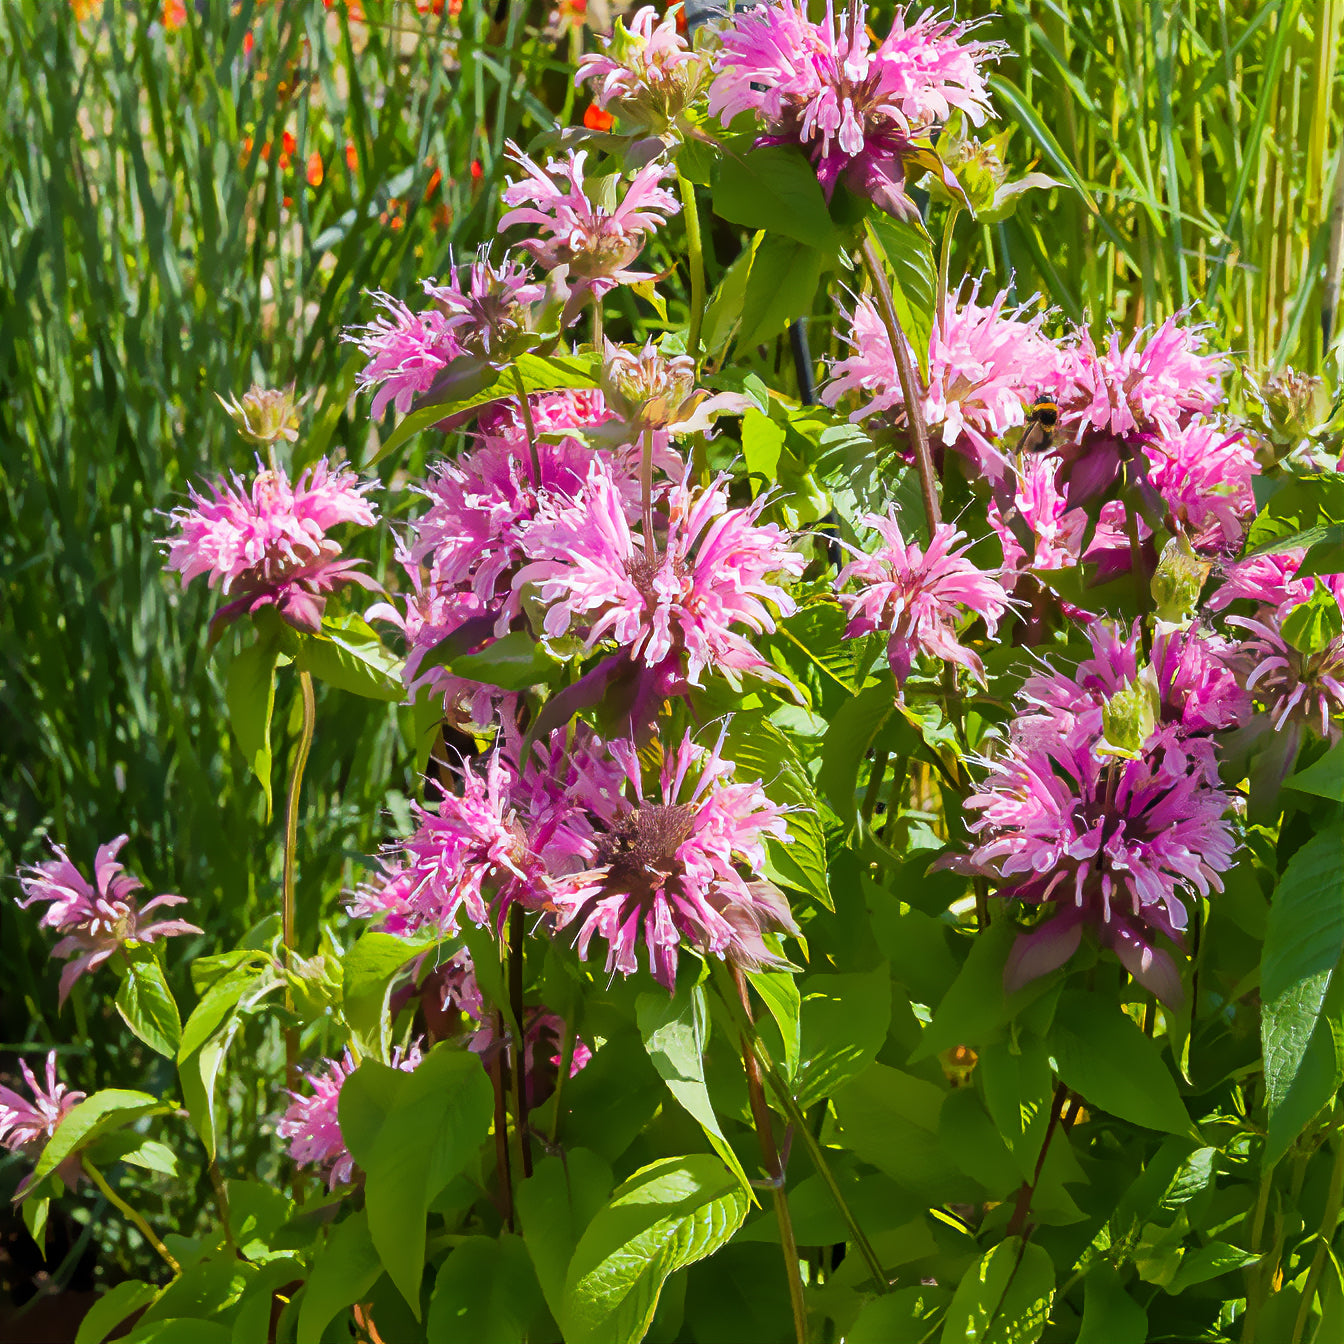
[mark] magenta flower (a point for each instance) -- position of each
(983, 363)
(854, 108)
(543, 1036)
(712, 572)
(1204, 476)
(1055, 530)
(487, 316)
(595, 242)
(311, 1124)
(95, 920)
(266, 544)
(1268, 579)
(916, 597)
(25, 1126)
(407, 352)
(670, 868)
(1112, 845)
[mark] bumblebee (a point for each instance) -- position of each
(1041, 421)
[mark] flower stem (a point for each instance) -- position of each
(516, 936)
(291, 847)
(120, 1204)
(696, 257)
(945, 260)
(1329, 1221)
(774, 1168)
(502, 1124)
(646, 491)
(905, 371)
(597, 325)
(1018, 1222)
(529, 426)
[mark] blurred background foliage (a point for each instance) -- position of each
(198, 198)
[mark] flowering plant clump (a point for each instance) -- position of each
(755, 860)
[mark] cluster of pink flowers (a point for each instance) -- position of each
(95, 920)
(856, 108)
(26, 1123)
(265, 543)
(917, 597)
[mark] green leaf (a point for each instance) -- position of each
(367, 973)
(1209, 1262)
(556, 1203)
(1299, 981)
(343, 1272)
(514, 661)
(844, 1021)
(849, 737)
(779, 992)
(1102, 1054)
(486, 1292)
(109, 1109)
(775, 188)
(250, 696)
(782, 284)
(724, 310)
(666, 1216)
(914, 290)
(256, 1213)
(1003, 1298)
(412, 1133)
(349, 656)
(1310, 627)
(1110, 1315)
(113, 1307)
(674, 1032)
(145, 1002)
(907, 1313)
(1324, 777)
(762, 443)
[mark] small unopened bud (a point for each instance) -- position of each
(265, 415)
(649, 390)
(1130, 716)
(1178, 581)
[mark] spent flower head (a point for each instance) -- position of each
(265, 416)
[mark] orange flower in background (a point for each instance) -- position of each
(477, 172)
(435, 182)
(82, 9)
(287, 147)
(597, 118)
(174, 15)
(351, 156)
(315, 172)
(352, 7)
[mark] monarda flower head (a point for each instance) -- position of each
(488, 312)
(680, 605)
(266, 544)
(855, 108)
(650, 392)
(646, 74)
(407, 353)
(670, 869)
(26, 1123)
(1041, 512)
(587, 227)
(1204, 475)
(917, 597)
(95, 919)
(1108, 844)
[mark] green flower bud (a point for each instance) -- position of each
(1178, 582)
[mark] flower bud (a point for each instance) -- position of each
(265, 415)
(1178, 581)
(1130, 716)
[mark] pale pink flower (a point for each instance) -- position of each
(311, 1124)
(597, 243)
(26, 1125)
(917, 597)
(488, 312)
(407, 352)
(670, 868)
(95, 919)
(1113, 845)
(1056, 531)
(1204, 476)
(266, 544)
(1270, 579)
(983, 363)
(713, 572)
(386, 901)
(854, 108)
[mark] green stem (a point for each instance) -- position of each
(798, 1120)
(291, 847)
(1017, 1224)
(502, 1161)
(1329, 1221)
(516, 936)
(526, 408)
(774, 1168)
(696, 256)
(597, 325)
(945, 260)
(566, 1063)
(120, 1204)
(646, 491)
(910, 392)
(1255, 1294)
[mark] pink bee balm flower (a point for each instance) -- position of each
(646, 73)
(406, 351)
(982, 362)
(714, 570)
(26, 1125)
(1054, 530)
(1204, 476)
(670, 868)
(96, 919)
(916, 597)
(854, 108)
(1270, 579)
(596, 242)
(1111, 844)
(311, 1124)
(266, 544)
(487, 314)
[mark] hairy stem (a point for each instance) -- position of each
(774, 1168)
(291, 848)
(516, 936)
(696, 257)
(529, 426)
(910, 391)
(135, 1217)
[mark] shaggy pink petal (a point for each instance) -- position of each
(1057, 529)
(1204, 475)
(406, 353)
(26, 1123)
(917, 597)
